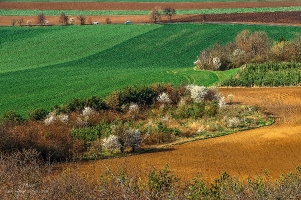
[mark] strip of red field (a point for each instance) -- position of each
(139, 6)
(284, 18)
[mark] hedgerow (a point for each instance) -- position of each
(249, 47)
(126, 121)
(267, 74)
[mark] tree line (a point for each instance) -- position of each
(249, 47)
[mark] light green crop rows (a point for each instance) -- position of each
(141, 12)
(44, 66)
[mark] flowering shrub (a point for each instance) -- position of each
(163, 98)
(133, 139)
(53, 117)
(88, 111)
(232, 122)
(111, 143)
(197, 93)
(134, 108)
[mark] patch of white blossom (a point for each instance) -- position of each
(197, 93)
(134, 138)
(53, 117)
(134, 108)
(164, 98)
(221, 102)
(216, 62)
(88, 111)
(232, 122)
(111, 143)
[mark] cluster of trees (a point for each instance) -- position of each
(156, 14)
(63, 19)
(249, 47)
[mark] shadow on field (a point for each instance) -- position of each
(153, 150)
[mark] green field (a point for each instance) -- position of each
(142, 12)
(44, 66)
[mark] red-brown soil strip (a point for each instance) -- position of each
(139, 6)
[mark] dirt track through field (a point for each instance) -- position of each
(273, 148)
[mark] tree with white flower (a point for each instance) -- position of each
(197, 93)
(133, 139)
(111, 143)
(164, 98)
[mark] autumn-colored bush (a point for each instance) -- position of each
(249, 47)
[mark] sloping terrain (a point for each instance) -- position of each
(274, 148)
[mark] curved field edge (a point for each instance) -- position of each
(4, 12)
(157, 53)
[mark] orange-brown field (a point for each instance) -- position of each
(249, 153)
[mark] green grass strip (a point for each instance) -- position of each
(142, 12)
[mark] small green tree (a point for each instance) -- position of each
(169, 12)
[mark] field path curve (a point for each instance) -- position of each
(274, 148)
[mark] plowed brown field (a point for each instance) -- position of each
(272, 17)
(274, 148)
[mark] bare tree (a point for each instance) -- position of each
(14, 21)
(82, 19)
(169, 12)
(108, 21)
(41, 19)
(155, 15)
(63, 19)
(20, 21)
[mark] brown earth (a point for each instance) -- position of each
(140, 5)
(274, 148)
(267, 17)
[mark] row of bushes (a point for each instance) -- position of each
(125, 120)
(249, 47)
(267, 74)
(22, 176)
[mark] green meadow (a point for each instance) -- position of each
(44, 66)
